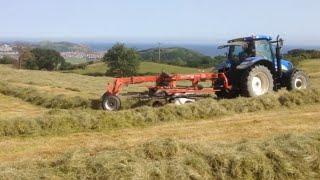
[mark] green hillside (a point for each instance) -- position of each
(76, 60)
(62, 46)
(171, 54)
(180, 56)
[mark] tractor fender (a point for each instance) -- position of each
(249, 62)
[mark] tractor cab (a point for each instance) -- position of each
(254, 48)
(255, 66)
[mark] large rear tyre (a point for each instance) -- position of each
(111, 102)
(257, 81)
(298, 81)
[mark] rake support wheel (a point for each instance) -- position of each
(111, 102)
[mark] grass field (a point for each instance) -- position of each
(272, 137)
(11, 107)
(76, 60)
(145, 68)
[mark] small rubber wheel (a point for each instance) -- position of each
(298, 81)
(111, 102)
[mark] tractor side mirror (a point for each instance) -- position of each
(280, 42)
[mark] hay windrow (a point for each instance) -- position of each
(59, 121)
(283, 157)
(46, 100)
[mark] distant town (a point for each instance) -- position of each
(7, 50)
(89, 56)
(13, 51)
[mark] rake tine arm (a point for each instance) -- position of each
(115, 87)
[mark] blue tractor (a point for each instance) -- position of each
(255, 66)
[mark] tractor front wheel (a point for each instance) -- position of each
(111, 102)
(298, 80)
(257, 81)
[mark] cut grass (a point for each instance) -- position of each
(70, 121)
(13, 108)
(312, 67)
(282, 157)
(243, 138)
(225, 129)
(44, 99)
(59, 90)
(91, 87)
(57, 83)
(60, 98)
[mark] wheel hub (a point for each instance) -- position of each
(260, 84)
(111, 103)
(298, 83)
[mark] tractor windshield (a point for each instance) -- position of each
(236, 52)
(239, 50)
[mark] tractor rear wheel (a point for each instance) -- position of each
(298, 80)
(111, 102)
(257, 81)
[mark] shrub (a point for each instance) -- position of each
(42, 59)
(69, 66)
(298, 55)
(7, 60)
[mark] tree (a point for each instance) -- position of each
(122, 61)
(41, 59)
(47, 59)
(27, 60)
(7, 60)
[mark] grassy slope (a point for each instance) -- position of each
(312, 67)
(225, 129)
(145, 67)
(11, 107)
(76, 60)
(241, 146)
(230, 138)
(56, 83)
(68, 90)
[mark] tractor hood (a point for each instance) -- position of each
(249, 62)
(285, 64)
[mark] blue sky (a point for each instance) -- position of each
(192, 21)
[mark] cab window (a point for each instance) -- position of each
(263, 49)
(235, 52)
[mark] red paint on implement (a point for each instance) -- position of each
(167, 83)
